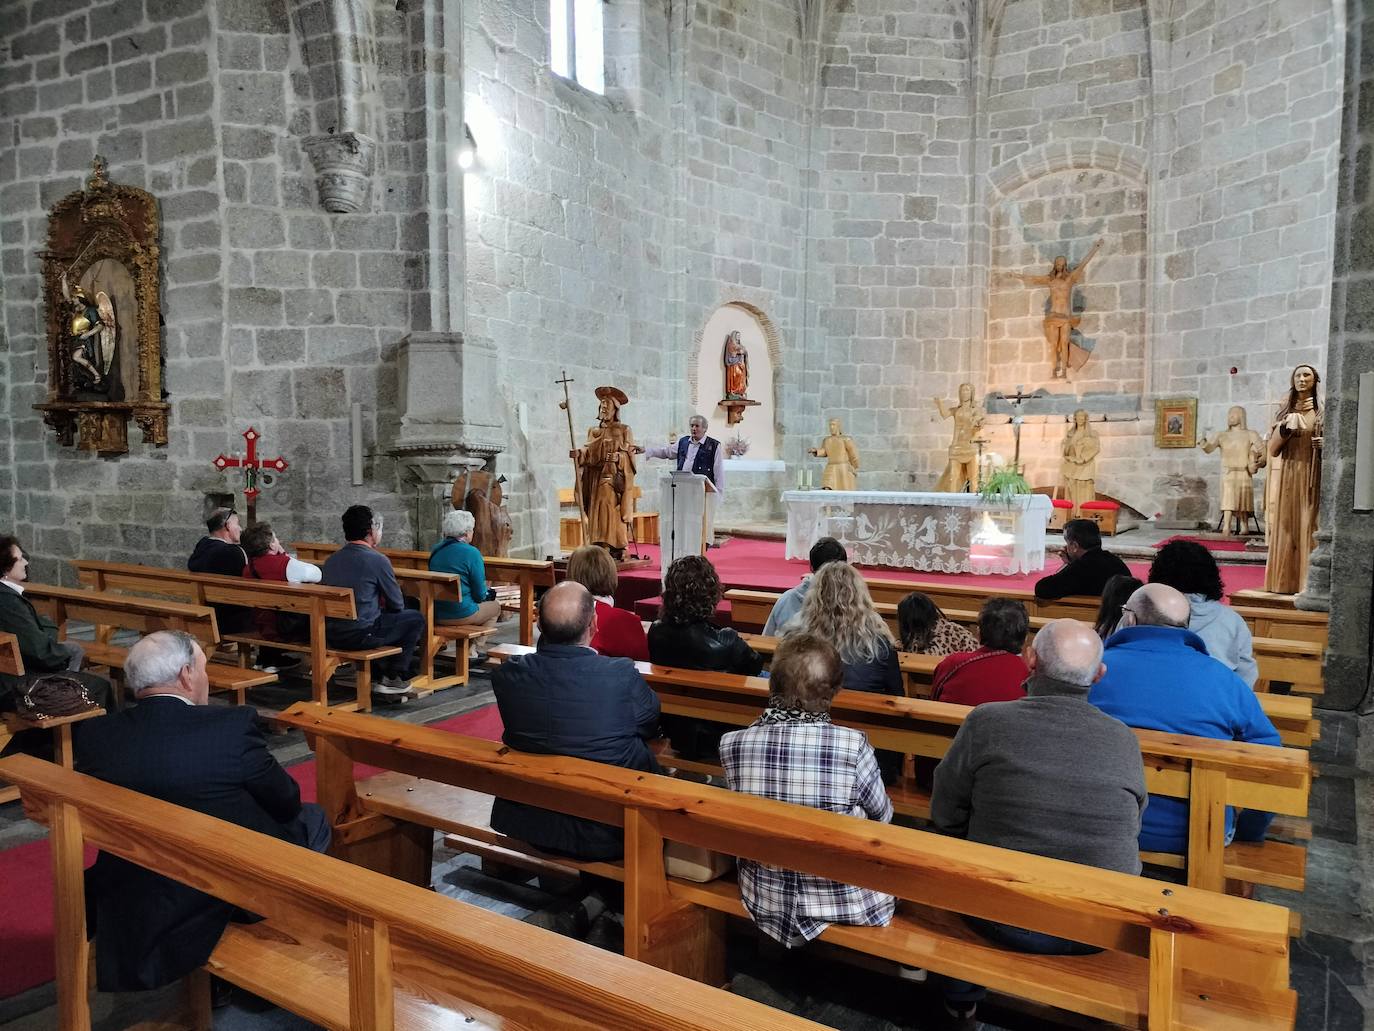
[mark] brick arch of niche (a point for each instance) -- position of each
(773, 342)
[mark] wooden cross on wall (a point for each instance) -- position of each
(251, 465)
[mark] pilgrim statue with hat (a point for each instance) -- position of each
(606, 474)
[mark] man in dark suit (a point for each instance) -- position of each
(1087, 567)
(151, 930)
(565, 699)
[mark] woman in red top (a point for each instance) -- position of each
(996, 671)
(619, 633)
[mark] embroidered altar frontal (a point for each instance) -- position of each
(931, 532)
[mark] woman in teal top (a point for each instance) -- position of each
(455, 554)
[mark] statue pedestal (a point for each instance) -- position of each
(448, 392)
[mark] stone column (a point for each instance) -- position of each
(450, 421)
(1342, 572)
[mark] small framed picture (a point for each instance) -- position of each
(1176, 422)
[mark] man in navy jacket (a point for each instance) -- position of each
(1160, 677)
(151, 930)
(565, 699)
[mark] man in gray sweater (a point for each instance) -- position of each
(1049, 774)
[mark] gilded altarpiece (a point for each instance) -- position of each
(100, 284)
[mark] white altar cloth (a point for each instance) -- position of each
(944, 533)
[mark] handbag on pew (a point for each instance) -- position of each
(53, 696)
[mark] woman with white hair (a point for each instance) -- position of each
(455, 554)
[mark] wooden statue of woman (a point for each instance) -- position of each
(1078, 466)
(736, 360)
(842, 459)
(1295, 471)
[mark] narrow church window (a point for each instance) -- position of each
(576, 42)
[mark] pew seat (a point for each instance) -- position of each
(361, 660)
(11, 723)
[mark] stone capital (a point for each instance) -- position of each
(343, 169)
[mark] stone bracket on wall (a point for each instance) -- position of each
(343, 169)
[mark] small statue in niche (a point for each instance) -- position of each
(842, 459)
(1242, 455)
(92, 337)
(963, 457)
(736, 368)
(1078, 466)
(1060, 320)
(1295, 480)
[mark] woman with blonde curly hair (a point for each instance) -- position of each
(839, 610)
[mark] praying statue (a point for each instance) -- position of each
(963, 458)
(1078, 464)
(1242, 455)
(606, 474)
(1060, 320)
(1295, 474)
(736, 368)
(842, 459)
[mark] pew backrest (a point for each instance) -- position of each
(107, 609)
(11, 661)
(394, 931)
(1227, 936)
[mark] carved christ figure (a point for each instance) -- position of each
(606, 474)
(736, 368)
(1242, 455)
(92, 334)
(1059, 317)
(842, 459)
(963, 457)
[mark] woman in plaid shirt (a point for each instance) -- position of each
(793, 753)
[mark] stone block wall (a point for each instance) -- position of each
(887, 273)
(1351, 549)
(276, 314)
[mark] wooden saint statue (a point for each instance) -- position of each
(480, 494)
(842, 459)
(1059, 317)
(963, 457)
(1078, 464)
(606, 474)
(1242, 455)
(736, 360)
(1295, 468)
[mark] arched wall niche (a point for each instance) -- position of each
(706, 376)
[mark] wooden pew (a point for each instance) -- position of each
(528, 574)
(315, 601)
(1177, 957)
(1209, 774)
(12, 663)
(1291, 715)
(345, 947)
(1297, 660)
(108, 612)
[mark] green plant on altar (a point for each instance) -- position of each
(1003, 484)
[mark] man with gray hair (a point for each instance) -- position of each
(1049, 774)
(698, 453)
(172, 745)
(1160, 677)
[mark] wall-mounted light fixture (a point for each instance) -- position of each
(467, 150)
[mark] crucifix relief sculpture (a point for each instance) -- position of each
(1059, 317)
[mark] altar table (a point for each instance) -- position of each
(930, 532)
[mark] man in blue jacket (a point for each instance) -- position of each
(1160, 677)
(565, 699)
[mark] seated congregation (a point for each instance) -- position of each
(1046, 760)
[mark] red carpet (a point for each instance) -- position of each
(758, 565)
(26, 919)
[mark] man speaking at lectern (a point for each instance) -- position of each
(698, 453)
